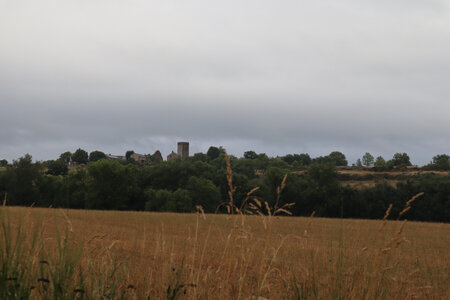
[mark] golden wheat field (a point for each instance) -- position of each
(142, 255)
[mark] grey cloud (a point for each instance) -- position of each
(297, 76)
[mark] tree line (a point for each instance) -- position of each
(181, 185)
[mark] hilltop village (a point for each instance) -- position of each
(182, 153)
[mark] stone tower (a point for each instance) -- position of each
(183, 150)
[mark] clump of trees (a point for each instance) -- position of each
(297, 160)
(440, 162)
(80, 157)
(56, 167)
(335, 157)
(380, 163)
(66, 156)
(96, 155)
(367, 159)
(399, 161)
(201, 179)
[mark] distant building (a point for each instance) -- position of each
(118, 157)
(182, 153)
(157, 157)
(140, 158)
(172, 156)
(183, 149)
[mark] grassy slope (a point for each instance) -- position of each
(196, 256)
(365, 177)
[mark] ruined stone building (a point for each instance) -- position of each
(183, 149)
(172, 155)
(143, 159)
(157, 157)
(118, 157)
(140, 158)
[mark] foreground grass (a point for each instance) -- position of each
(77, 254)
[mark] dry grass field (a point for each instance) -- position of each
(76, 254)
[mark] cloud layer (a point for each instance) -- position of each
(284, 77)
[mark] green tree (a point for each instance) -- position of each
(3, 163)
(50, 191)
(96, 155)
(358, 162)
(304, 159)
(56, 167)
(250, 155)
(441, 162)
(338, 158)
(272, 180)
(323, 174)
(165, 200)
(181, 201)
(213, 153)
(278, 163)
(74, 189)
(401, 160)
(22, 178)
(111, 185)
(245, 167)
(80, 156)
(367, 159)
(288, 158)
(199, 157)
(323, 190)
(263, 156)
(380, 162)
(128, 154)
(156, 200)
(203, 192)
(66, 156)
(296, 165)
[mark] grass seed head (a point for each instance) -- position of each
(408, 203)
(388, 211)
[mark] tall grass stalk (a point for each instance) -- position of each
(34, 266)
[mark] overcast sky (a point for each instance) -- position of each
(271, 76)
